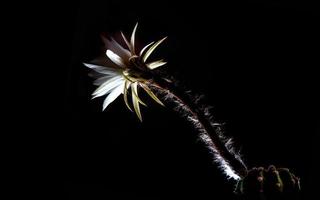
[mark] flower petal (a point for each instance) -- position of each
(125, 94)
(112, 96)
(102, 69)
(144, 48)
(107, 86)
(133, 35)
(152, 48)
(127, 42)
(134, 89)
(101, 80)
(156, 64)
(135, 101)
(115, 58)
(116, 48)
(104, 61)
(122, 52)
(151, 94)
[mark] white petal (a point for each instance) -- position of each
(107, 91)
(115, 58)
(102, 60)
(152, 48)
(102, 79)
(117, 48)
(124, 53)
(112, 96)
(156, 64)
(107, 86)
(133, 35)
(102, 69)
(144, 48)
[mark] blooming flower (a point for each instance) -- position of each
(124, 70)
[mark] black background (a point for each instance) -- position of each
(254, 62)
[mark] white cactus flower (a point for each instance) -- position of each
(127, 70)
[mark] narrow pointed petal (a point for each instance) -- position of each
(103, 61)
(156, 64)
(112, 96)
(126, 41)
(107, 91)
(102, 69)
(125, 94)
(107, 86)
(151, 94)
(152, 48)
(135, 101)
(134, 88)
(133, 35)
(115, 58)
(145, 48)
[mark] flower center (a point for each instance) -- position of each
(137, 68)
(136, 63)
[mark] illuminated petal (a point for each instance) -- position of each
(125, 94)
(134, 89)
(156, 64)
(112, 96)
(151, 94)
(152, 48)
(103, 61)
(115, 58)
(116, 48)
(102, 69)
(107, 86)
(144, 48)
(101, 80)
(135, 101)
(133, 35)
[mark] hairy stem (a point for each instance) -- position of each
(228, 160)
